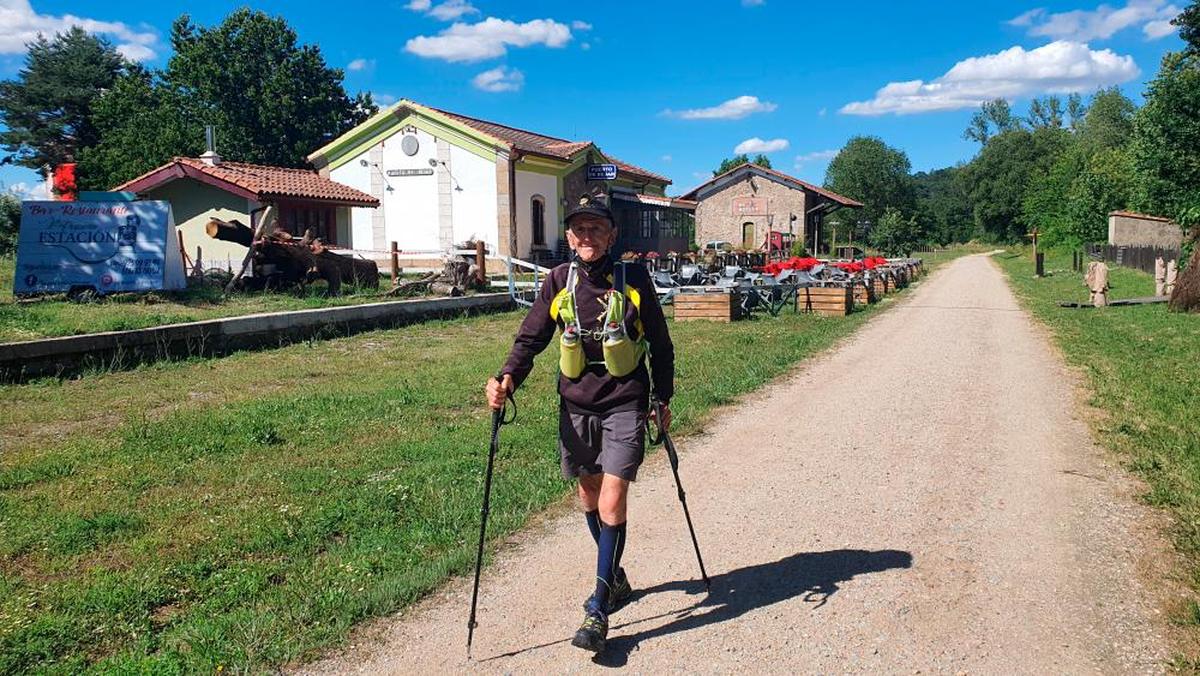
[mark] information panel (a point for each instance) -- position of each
(108, 246)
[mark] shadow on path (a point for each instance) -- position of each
(815, 576)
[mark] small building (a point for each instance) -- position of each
(743, 205)
(1126, 228)
(442, 178)
(203, 188)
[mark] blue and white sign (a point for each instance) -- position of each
(109, 246)
(602, 172)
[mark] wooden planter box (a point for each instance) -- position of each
(831, 301)
(717, 307)
(863, 294)
(900, 277)
(881, 285)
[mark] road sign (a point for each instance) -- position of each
(601, 172)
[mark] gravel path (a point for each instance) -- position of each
(924, 498)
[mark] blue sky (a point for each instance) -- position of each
(677, 86)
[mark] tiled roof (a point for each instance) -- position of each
(265, 182)
(828, 194)
(540, 144)
(1134, 214)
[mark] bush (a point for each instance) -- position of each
(10, 223)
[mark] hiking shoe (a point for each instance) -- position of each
(618, 596)
(593, 631)
(620, 593)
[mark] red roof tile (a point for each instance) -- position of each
(264, 183)
(828, 194)
(540, 144)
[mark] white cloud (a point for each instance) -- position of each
(360, 64)
(1058, 67)
(822, 111)
(384, 99)
(733, 109)
(585, 46)
(19, 25)
(753, 3)
(581, 25)
(1158, 29)
(452, 9)
(757, 145)
(666, 158)
(449, 10)
(816, 156)
(488, 39)
(499, 79)
(1082, 25)
(27, 191)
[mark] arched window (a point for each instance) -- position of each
(748, 235)
(537, 213)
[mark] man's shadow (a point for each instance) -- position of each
(815, 576)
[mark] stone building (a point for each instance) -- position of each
(1126, 228)
(745, 204)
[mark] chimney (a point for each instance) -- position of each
(210, 156)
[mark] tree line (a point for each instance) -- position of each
(1059, 169)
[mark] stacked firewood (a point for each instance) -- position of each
(281, 260)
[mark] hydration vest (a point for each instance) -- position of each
(621, 354)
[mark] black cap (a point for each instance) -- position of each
(591, 206)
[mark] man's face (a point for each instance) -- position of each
(591, 237)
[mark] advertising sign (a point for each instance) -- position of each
(601, 172)
(108, 246)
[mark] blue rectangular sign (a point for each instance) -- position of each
(109, 246)
(601, 172)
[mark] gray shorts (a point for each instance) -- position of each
(609, 443)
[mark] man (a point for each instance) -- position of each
(609, 316)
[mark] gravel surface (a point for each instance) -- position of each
(923, 498)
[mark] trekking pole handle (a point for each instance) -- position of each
(498, 415)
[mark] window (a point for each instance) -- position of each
(297, 217)
(537, 215)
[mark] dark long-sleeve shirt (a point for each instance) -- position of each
(596, 390)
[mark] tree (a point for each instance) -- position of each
(10, 223)
(730, 163)
(1000, 175)
(993, 117)
(272, 100)
(870, 171)
(1109, 121)
(1188, 22)
(895, 234)
(1166, 139)
(145, 123)
(47, 109)
(943, 206)
(1045, 112)
(1075, 110)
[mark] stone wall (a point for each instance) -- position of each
(716, 219)
(1125, 229)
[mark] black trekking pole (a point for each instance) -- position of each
(498, 420)
(673, 457)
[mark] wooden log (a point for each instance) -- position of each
(229, 231)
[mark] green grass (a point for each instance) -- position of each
(56, 316)
(244, 513)
(1141, 364)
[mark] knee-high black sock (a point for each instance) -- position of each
(606, 555)
(617, 571)
(593, 521)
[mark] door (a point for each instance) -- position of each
(748, 236)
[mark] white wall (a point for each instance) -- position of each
(356, 176)
(410, 209)
(528, 185)
(475, 204)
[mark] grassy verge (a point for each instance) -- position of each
(56, 316)
(243, 513)
(1141, 364)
